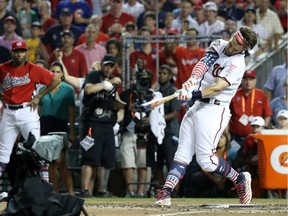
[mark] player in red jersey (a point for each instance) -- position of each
(115, 15)
(18, 79)
(185, 57)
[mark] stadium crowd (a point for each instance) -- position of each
(81, 42)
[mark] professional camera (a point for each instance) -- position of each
(143, 80)
(142, 91)
(103, 95)
(104, 100)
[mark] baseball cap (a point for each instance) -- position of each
(282, 113)
(36, 24)
(210, 6)
(19, 44)
(131, 25)
(225, 33)
(197, 6)
(11, 19)
(258, 120)
(250, 8)
(169, 70)
(67, 32)
(109, 59)
(250, 73)
(66, 11)
(173, 31)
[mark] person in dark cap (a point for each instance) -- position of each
(5, 12)
(65, 12)
(52, 38)
(67, 32)
(98, 117)
(73, 59)
(80, 10)
(9, 35)
(229, 8)
(131, 27)
(11, 19)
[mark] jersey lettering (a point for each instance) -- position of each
(217, 70)
(10, 82)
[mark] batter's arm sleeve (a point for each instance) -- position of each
(215, 88)
(209, 58)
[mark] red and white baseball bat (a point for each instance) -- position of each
(153, 103)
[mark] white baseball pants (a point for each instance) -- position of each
(13, 122)
(200, 132)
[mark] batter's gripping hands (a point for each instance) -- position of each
(187, 88)
(183, 94)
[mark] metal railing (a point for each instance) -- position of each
(263, 64)
(266, 61)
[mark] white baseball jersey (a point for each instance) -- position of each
(230, 68)
(204, 123)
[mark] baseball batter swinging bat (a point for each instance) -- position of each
(153, 103)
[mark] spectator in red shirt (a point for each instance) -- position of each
(115, 15)
(52, 38)
(247, 103)
(186, 57)
(150, 23)
(74, 60)
(146, 56)
(102, 38)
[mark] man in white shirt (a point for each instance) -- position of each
(133, 7)
(212, 25)
(186, 10)
(270, 21)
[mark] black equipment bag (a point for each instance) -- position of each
(35, 197)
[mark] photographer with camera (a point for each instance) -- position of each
(136, 132)
(98, 117)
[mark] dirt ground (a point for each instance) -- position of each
(186, 207)
(145, 207)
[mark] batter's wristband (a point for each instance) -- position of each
(197, 95)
